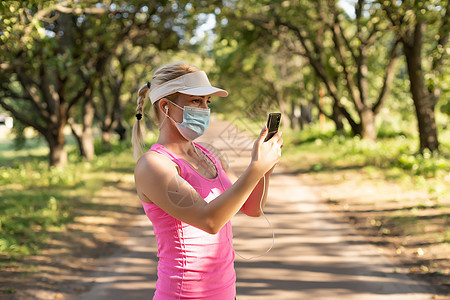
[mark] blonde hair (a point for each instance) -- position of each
(162, 75)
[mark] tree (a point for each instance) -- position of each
(422, 26)
(349, 66)
(278, 82)
(261, 72)
(35, 75)
(52, 53)
(130, 64)
(162, 30)
(339, 48)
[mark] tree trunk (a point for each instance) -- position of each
(424, 101)
(106, 139)
(368, 130)
(83, 133)
(121, 131)
(87, 139)
(58, 156)
(286, 121)
(305, 115)
(294, 116)
(427, 123)
(77, 132)
(336, 116)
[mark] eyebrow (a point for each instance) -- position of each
(207, 97)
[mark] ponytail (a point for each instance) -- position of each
(137, 138)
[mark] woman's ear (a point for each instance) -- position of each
(164, 105)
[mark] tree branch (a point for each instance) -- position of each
(396, 20)
(78, 11)
(22, 118)
(353, 91)
(372, 36)
(50, 98)
(31, 94)
(80, 93)
(347, 42)
(316, 102)
(388, 76)
(348, 117)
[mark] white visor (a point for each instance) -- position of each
(196, 84)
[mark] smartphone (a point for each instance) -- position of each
(273, 122)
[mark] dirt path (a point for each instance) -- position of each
(316, 255)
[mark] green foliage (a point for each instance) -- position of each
(19, 135)
(445, 107)
(27, 217)
(36, 200)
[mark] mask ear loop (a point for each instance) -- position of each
(165, 116)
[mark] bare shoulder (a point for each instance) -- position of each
(152, 175)
(152, 164)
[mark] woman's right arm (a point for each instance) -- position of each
(157, 181)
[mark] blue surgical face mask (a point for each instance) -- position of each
(195, 121)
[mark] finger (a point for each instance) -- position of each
(280, 142)
(276, 137)
(262, 135)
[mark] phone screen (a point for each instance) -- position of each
(273, 122)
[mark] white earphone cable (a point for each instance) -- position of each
(267, 219)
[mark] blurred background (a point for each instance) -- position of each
(363, 88)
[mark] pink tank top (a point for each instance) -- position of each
(193, 264)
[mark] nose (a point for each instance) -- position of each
(204, 103)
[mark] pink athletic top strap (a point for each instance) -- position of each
(193, 264)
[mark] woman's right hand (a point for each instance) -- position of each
(265, 155)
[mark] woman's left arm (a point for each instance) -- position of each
(254, 203)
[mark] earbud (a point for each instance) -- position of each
(166, 107)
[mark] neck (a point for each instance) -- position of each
(170, 138)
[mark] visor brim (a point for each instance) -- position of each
(204, 90)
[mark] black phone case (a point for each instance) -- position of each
(273, 122)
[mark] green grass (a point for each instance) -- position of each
(395, 158)
(36, 200)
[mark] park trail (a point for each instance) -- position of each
(316, 254)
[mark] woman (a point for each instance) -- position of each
(186, 193)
